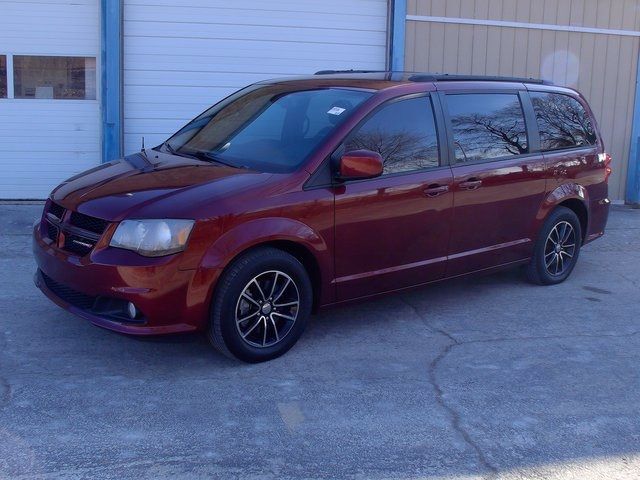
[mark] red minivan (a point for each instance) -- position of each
(295, 194)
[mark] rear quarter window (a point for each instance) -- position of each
(562, 121)
(487, 126)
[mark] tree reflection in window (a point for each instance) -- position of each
(487, 125)
(562, 121)
(403, 133)
(3, 76)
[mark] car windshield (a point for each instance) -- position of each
(270, 128)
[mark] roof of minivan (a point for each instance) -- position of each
(378, 80)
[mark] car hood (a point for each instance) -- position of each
(153, 185)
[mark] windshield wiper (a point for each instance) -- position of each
(168, 146)
(209, 157)
(173, 151)
(198, 154)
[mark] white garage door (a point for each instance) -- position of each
(49, 109)
(181, 57)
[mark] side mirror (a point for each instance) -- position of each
(359, 164)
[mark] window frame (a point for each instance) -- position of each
(440, 137)
(6, 78)
(586, 110)
(531, 127)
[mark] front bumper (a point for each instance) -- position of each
(170, 299)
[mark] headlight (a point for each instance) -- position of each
(152, 238)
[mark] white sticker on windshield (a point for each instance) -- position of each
(336, 111)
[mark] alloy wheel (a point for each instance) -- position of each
(560, 248)
(267, 308)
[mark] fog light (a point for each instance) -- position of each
(132, 311)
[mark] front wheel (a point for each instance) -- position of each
(557, 248)
(261, 306)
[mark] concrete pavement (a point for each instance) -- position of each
(487, 377)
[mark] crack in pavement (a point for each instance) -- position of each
(433, 380)
(453, 343)
(6, 392)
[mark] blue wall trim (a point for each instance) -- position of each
(633, 169)
(398, 25)
(111, 87)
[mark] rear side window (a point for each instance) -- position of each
(487, 126)
(562, 121)
(403, 132)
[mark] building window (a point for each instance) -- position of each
(67, 78)
(562, 121)
(487, 126)
(3, 76)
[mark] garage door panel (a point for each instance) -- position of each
(228, 64)
(191, 79)
(257, 32)
(362, 7)
(171, 111)
(134, 140)
(354, 21)
(178, 60)
(141, 126)
(54, 27)
(255, 48)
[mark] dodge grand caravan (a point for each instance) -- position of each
(301, 193)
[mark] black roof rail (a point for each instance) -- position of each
(331, 72)
(445, 77)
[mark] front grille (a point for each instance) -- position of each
(80, 232)
(69, 295)
(52, 231)
(56, 210)
(78, 244)
(92, 224)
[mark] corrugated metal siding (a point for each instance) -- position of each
(602, 67)
(43, 142)
(178, 60)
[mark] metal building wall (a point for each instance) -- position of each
(602, 66)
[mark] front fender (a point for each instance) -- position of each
(249, 234)
(262, 230)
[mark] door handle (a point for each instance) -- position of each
(435, 189)
(472, 183)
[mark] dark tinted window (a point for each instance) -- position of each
(3, 76)
(271, 128)
(487, 125)
(403, 132)
(562, 121)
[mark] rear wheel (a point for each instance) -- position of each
(261, 306)
(557, 248)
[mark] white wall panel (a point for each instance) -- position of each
(43, 142)
(179, 59)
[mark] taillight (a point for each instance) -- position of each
(606, 159)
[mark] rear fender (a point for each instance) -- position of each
(562, 193)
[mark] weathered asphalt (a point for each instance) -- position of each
(487, 377)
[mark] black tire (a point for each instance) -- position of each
(237, 294)
(544, 267)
